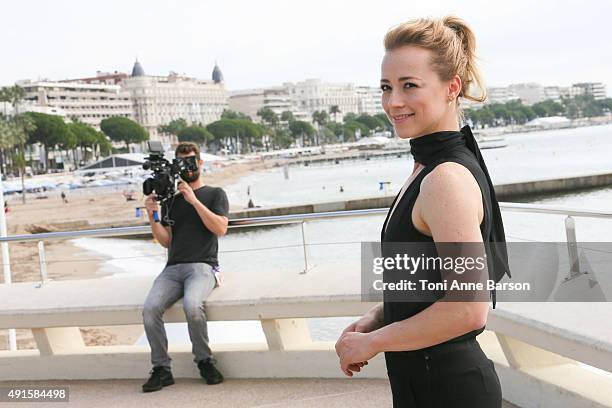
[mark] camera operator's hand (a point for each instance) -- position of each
(151, 204)
(187, 192)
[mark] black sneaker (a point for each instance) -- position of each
(160, 377)
(209, 372)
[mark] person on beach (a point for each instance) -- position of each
(432, 356)
(128, 195)
(191, 223)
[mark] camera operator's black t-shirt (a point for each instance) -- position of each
(191, 240)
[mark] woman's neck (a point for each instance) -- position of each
(444, 125)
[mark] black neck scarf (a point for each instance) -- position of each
(436, 146)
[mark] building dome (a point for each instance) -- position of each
(217, 76)
(137, 70)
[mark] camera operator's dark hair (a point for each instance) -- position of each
(186, 148)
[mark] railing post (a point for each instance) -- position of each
(286, 334)
(572, 248)
(521, 355)
(58, 340)
(42, 262)
(304, 246)
(6, 263)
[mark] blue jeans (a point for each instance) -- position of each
(193, 282)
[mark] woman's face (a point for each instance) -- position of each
(414, 98)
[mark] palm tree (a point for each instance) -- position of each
(320, 118)
(17, 130)
(335, 110)
(24, 125)
(16, 94)
(13, 133)
(5, 97)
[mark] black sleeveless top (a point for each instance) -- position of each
(431, 150)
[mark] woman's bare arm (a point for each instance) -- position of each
(451, 206)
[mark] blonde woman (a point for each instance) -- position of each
(432, 355)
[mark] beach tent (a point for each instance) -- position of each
(550, 122)
(116, 161)
(129, 161)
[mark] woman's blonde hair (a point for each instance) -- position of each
(453, 45)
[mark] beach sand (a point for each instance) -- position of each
(88, 209)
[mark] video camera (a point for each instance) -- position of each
(165, 173)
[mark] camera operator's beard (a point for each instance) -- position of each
(190, 178)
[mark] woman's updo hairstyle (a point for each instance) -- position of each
(453, 46)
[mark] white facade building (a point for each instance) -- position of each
(369, 99)
(553, 93)
(565, 91)
(90, 103)
(306, 97)
(529, 93)
(314, 95)
(500, 95)
(250, 101)
(157, 100)
(597, 89)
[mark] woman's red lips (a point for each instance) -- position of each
(402, 118)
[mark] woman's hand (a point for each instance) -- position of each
(366, 324)
(354, 350)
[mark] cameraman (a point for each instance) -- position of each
(198, 215)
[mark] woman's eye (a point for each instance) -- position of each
(409, 85)
(385, 87)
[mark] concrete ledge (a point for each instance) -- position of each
(573, 330)
(117, 301)
(557, 386)
(560, 385)
(235, 361)
(506, 191)
(531, 373)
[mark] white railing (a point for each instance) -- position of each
(302, 219)
(538, 362)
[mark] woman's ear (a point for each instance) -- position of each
(454, 87)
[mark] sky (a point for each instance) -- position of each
(266, 43)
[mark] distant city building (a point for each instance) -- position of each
(250, 101)
(500, 95)
(552, 93)
(495, 94)
(306, 97)
(157, 100)
(565, 92)
(108, 78)
(217, 75)
(89, 103)
(369, 99)
(597, 89)
(529, 93)
(314, 95)
(49, 110)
